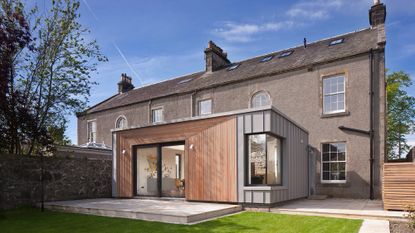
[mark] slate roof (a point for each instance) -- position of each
(357, 42)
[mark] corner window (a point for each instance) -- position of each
(264, 160)
(121, 122)
(205, 107)
(260, 99)
(334, 94)
(333, 162)
(157, 115)
(92, 130)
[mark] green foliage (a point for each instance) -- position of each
(411, 217)
(32, 220)
(51, 73)
(401, 114)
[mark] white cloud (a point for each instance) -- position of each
(245, 32)
(296, 16)
(314, 10)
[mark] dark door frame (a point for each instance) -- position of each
(159, 163)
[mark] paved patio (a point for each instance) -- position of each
(169, 211)
(338, 207)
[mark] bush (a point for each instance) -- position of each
(411, 216)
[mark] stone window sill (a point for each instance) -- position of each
(339, 114)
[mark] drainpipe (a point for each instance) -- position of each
(192, 103)
(371, 126)
(149, 111)
(371, 132)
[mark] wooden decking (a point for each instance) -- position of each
(398, 186)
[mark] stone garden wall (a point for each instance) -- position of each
(65, 178)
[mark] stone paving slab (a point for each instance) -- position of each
(339, 207)
(374, 226)
(169, 211)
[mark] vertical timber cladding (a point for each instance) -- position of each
(214, 152)
(211, 164)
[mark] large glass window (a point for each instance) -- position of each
(334, 94)
(157, 115)
(260, 99)
(92, 131)
(264, 160)
(333, 162)
(205, 107)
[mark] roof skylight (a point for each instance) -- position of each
(185, 81)
(286, 54)
(269, 58)
(335, 42)
(233, 66)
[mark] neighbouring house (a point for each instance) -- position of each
(303, 121)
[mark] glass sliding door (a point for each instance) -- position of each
(159, 170)
(172, 163)
(147, 171)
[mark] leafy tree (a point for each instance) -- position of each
(48, 73)
(401, 114)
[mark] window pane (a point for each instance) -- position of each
(326, 156)
(342, 166)
(260, 99)
(326, 175)
(274, 160)
(205, 107)
(257, 157)
(342, 176)
(326, 167)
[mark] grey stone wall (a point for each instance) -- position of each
(65, 179)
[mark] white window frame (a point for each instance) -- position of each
(251, 105)
(334, 93)
(87, 130)
(152, 114)
(125, 122)
(200, 106)
(345, 165)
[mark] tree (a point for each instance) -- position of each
(48, 75)
(401, 113)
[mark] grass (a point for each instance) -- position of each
(32, 220)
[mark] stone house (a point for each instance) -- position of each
(306, 120)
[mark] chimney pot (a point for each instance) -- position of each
(125, 84)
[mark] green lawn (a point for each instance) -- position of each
(32, 220)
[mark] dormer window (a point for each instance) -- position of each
(336, 42)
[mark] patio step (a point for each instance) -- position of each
(201, 212)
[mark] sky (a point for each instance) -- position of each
(157, 40)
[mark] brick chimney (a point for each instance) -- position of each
(215, 58)
(377, 13)
(377, 17)
(125, 84)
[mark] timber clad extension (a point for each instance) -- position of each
(297, 122)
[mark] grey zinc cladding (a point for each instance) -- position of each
(355, 43)
(294, 157)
